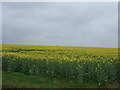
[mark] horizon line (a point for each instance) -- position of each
(60, 45)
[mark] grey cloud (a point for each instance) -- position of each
(84, 24)
(0, 23)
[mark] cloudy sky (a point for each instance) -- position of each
(64, 24)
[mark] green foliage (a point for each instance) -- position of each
(77, 64)
(19, 80)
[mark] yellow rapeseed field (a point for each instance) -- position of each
(78, 64)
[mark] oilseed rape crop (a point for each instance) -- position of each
(77, 64)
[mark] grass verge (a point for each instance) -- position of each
(18, 80)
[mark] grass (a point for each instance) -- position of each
(18, 80)
(0, 79)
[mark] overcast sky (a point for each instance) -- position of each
(81, 24)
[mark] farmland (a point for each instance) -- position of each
(74, 64)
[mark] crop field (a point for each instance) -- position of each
(74, 64)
